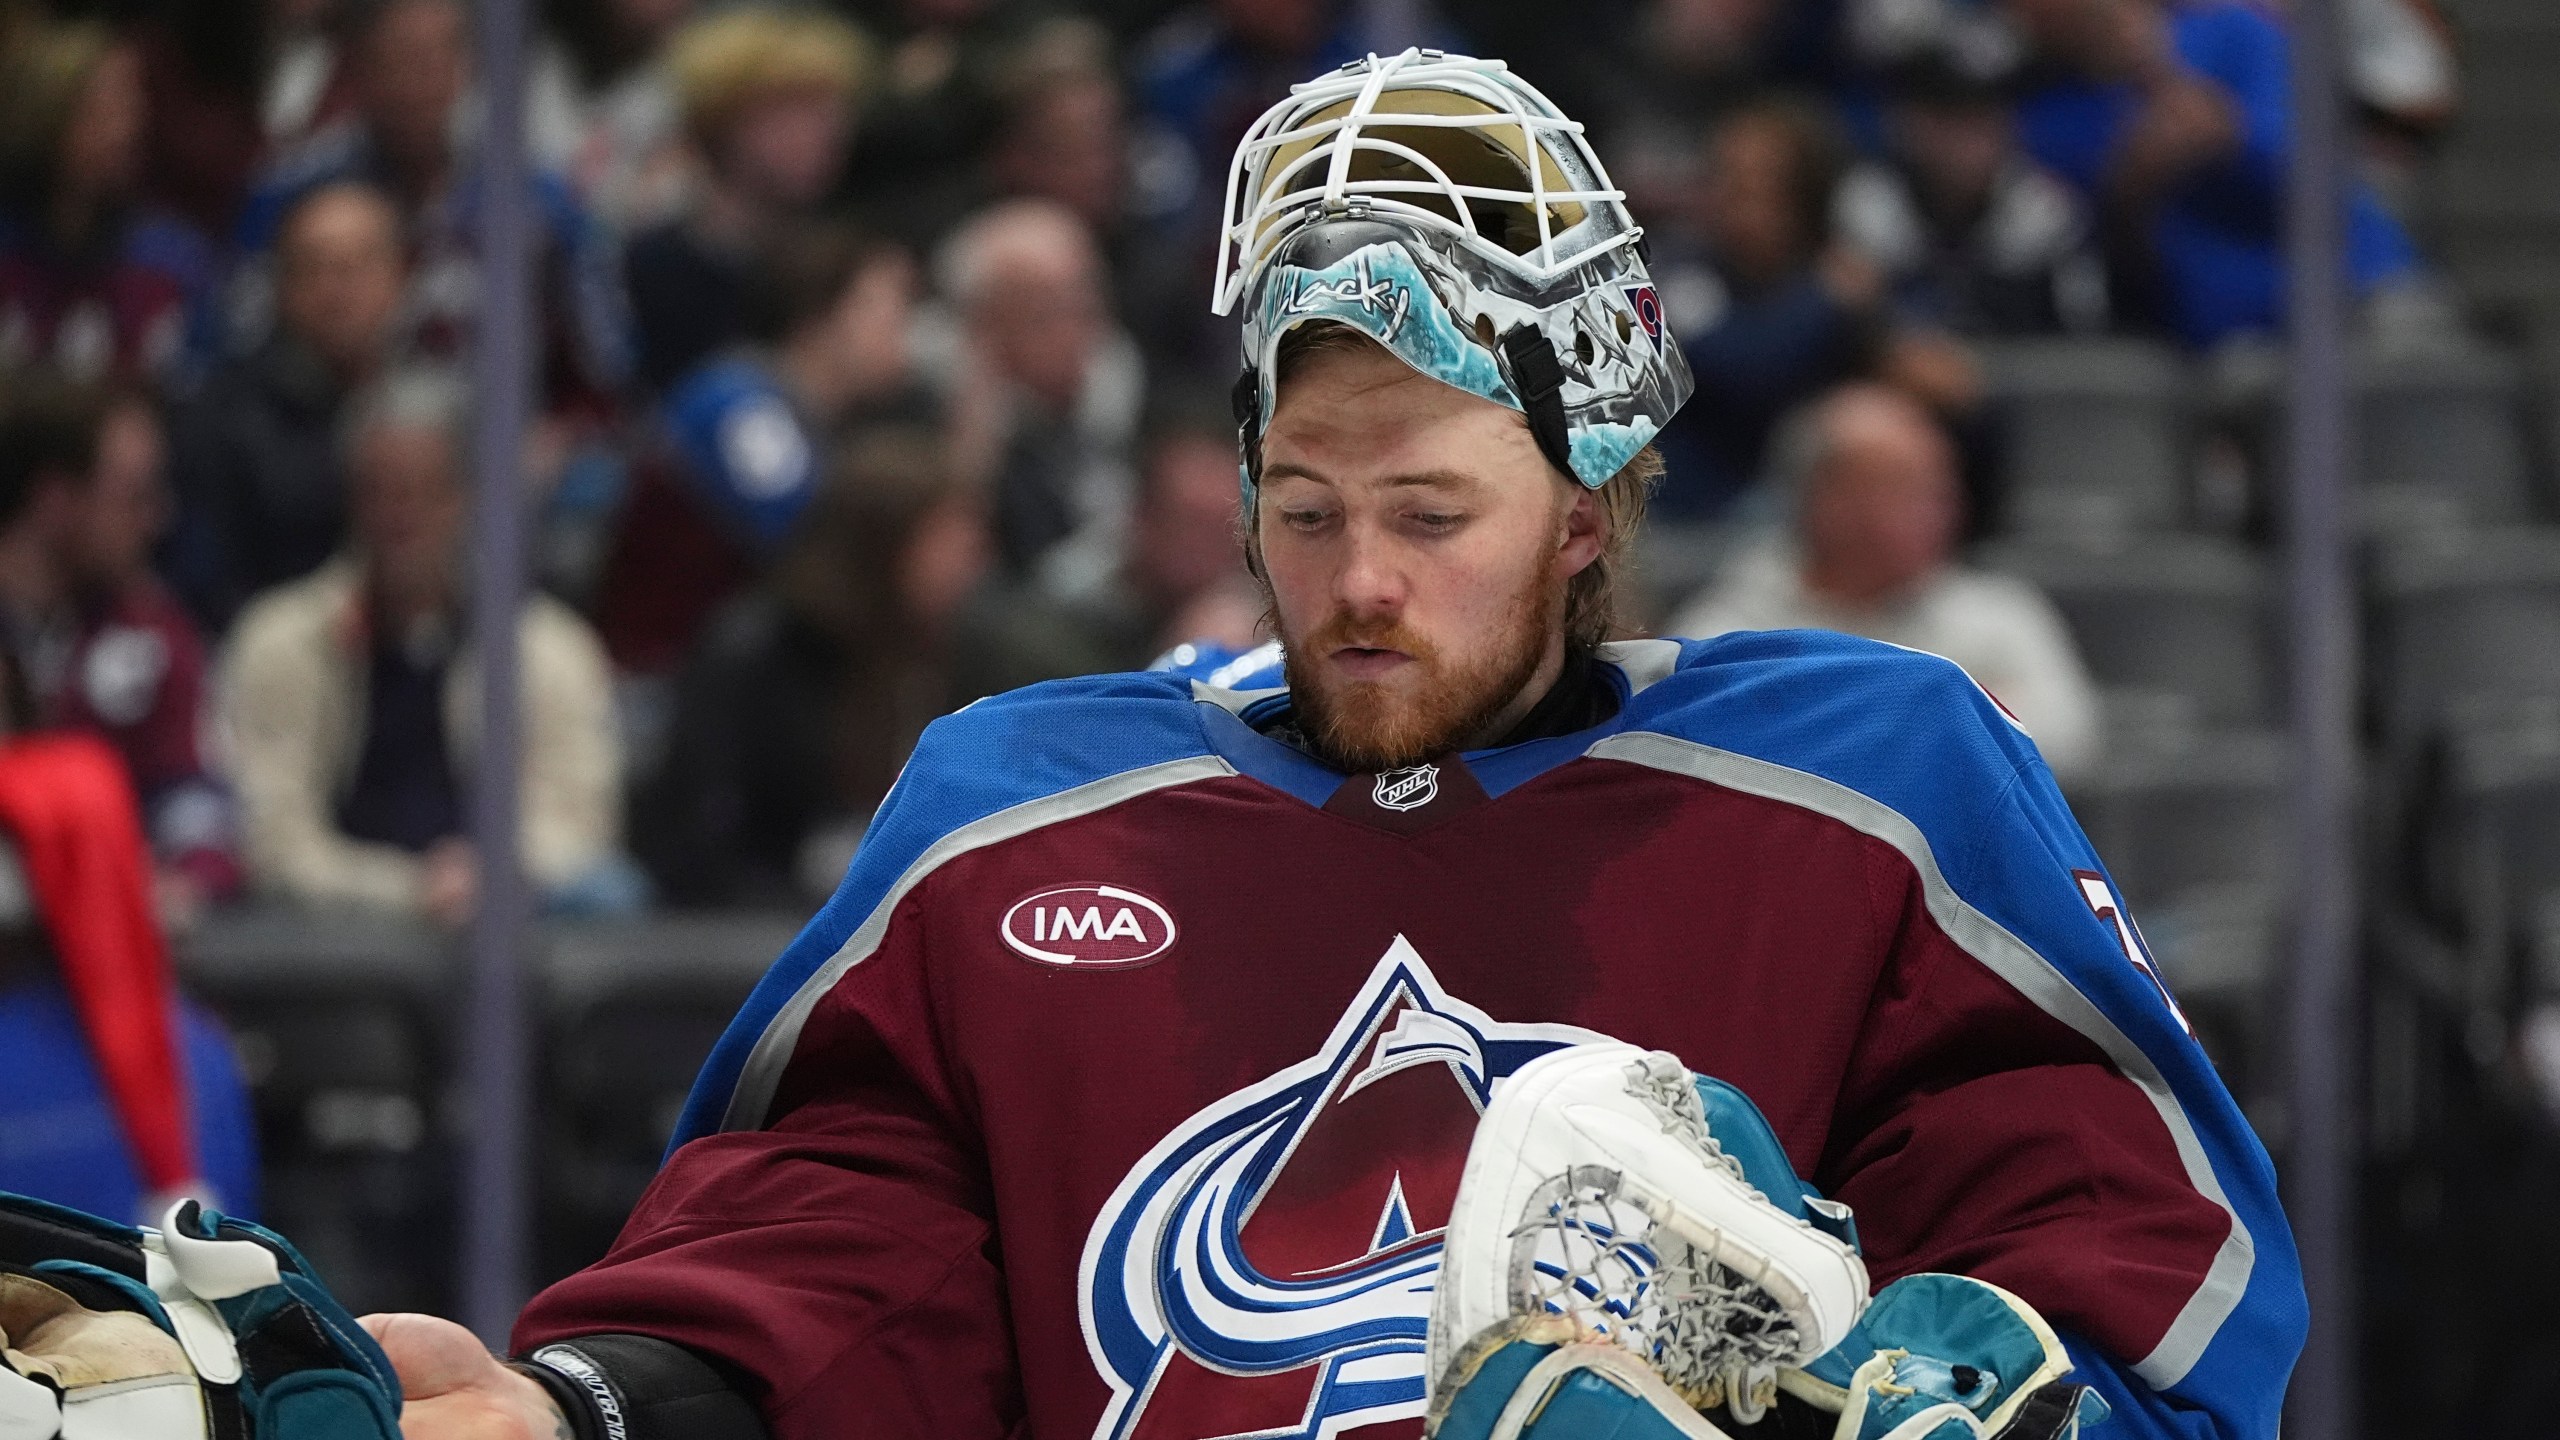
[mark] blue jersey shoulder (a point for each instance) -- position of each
(1905, 747)
(1016, 749)
(1885, 720)
(1005, 765)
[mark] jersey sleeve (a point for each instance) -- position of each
(2027, 1106)
(840, 1257)
(2021, 1101)
(824, 1224)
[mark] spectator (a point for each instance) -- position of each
(409, 63)
(1210, 69)
(2402, 72)
(1046, 392)
(807, 693)
(1198, 80)
(719, 492)
(2173, 118)
(138, 675)
(230, 81)
(1064, 135)
(1772, 309)
(946, 69)
(101, 646)
(91, 283)
(1681, 67)
(352, 699)
(261, 499)
(1972, 236)
(768, 98)
(602, 108)
(117, 1095)
(1771, 313)
(1184, 581)
(48, 442)
(1877, 513)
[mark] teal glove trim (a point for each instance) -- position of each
(1744, 1134)
(1478, 1404)
(1930, 1341)
(325, 1405)
(104, 1229)
(1587, 1407)
(1569, 1392)
(299, 1321)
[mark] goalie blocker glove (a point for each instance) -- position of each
(208, 1328)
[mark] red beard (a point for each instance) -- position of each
(1363, 726)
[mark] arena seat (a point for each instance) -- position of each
(2492, 833)
(2462, 618)
(2176, 628)
(2176, 819)
(2097, 436)
(2439, 438)
(631, 1011)
(339, 1018)
(2193, 830)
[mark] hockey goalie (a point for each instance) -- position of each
(1455, 1020)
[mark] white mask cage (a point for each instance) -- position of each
(1527, 194)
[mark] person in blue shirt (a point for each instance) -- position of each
(827, 320)
(2174, 118)
(740, 440)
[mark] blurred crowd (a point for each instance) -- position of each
(876, 371)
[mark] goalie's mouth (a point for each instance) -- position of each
(1369, 662)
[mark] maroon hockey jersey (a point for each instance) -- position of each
(1123, 1089)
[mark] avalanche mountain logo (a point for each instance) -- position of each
(1266, 1270)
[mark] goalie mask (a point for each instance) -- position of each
(1444, 208)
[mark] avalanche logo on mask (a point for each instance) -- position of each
(1266, 1269)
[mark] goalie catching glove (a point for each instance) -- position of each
(1630, 1249)
(209, 1328)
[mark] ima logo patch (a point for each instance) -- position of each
(1648, 308)
(1266, 1270)
(1088, 927)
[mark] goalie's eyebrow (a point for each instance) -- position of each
(1441, 479)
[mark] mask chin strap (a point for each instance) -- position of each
(1246, 398)
(1539, 382)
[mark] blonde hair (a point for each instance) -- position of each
(727, 60)
(1591, 615)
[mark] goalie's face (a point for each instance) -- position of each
(1416, 546)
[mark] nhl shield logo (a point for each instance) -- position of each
(1408, 789)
